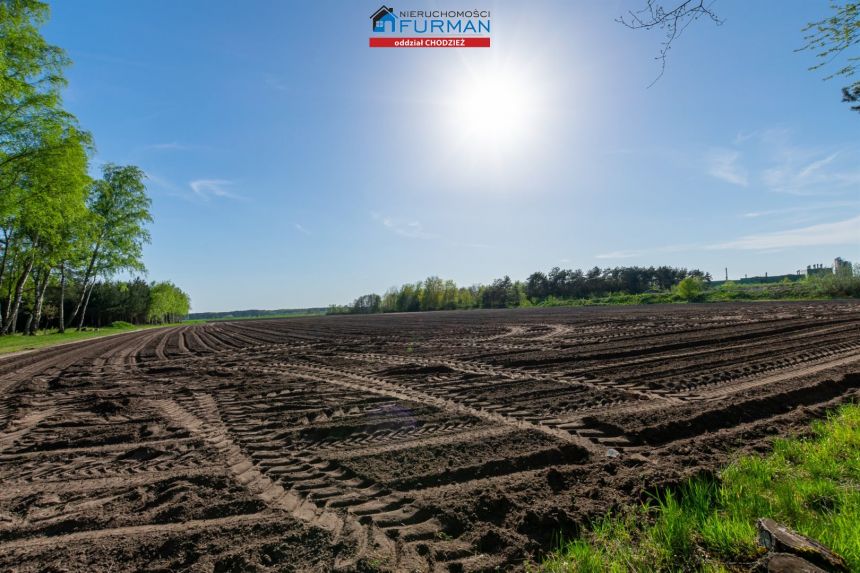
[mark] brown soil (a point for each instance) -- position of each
(451, 441)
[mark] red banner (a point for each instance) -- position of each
(429, 42)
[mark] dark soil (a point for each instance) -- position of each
(449, 441)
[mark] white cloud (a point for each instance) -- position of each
(845, 232)
(770, 160)
(164, 183)
(817, 165)
(169, 188)
(171, 146)
(208, 188)
(800, 209)
(301, 229)
(809, 173)
(619, 255)
(724, 164)
(795, 169)
(743, 137)
(276, 83)
(412, 229)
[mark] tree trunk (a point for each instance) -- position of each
(5, 319)
(31, 311)
(40, 299)
(8, 245)
(7, 240)
(19, 294)
(87, 276)
(86, 302)
(62, 327)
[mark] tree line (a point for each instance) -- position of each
(435, 293)
(61, 231)
(135, 302)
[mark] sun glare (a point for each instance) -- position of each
(491, 120)
(495, 111)
(494, 107)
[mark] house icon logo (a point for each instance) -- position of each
(382, 18)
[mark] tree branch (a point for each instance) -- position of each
(673, 21)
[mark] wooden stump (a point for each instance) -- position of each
(777, 538)
(788, 563)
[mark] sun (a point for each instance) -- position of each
(497, 109)
(491, 119)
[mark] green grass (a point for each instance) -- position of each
(810, 484)
(18, 342)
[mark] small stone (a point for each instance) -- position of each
(612, 453)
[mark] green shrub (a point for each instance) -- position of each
(121, 324)
(690, 289)
(839, 285)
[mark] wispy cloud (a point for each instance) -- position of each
(171, 146)
(845, 232)
(744, 136)
(619, 255)
(816, 166)
(208, 188)
(770, 159)
(627, 254)
(301, 229)
(724, 164)
(800, 209)
(276, 83)
(470, 245)
(813, 173)
(165, 184)
(412, 229)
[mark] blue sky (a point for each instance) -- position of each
(290, 165)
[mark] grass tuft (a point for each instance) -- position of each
(811, 484)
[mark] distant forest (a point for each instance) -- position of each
(435, 293)
(283, 312)
(135, 302)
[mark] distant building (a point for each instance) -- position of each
(818, 270)
(772, 279)
(839, 267)
(842, 267)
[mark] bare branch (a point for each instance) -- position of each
(672, 20)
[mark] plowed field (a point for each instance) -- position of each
(449, 441)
